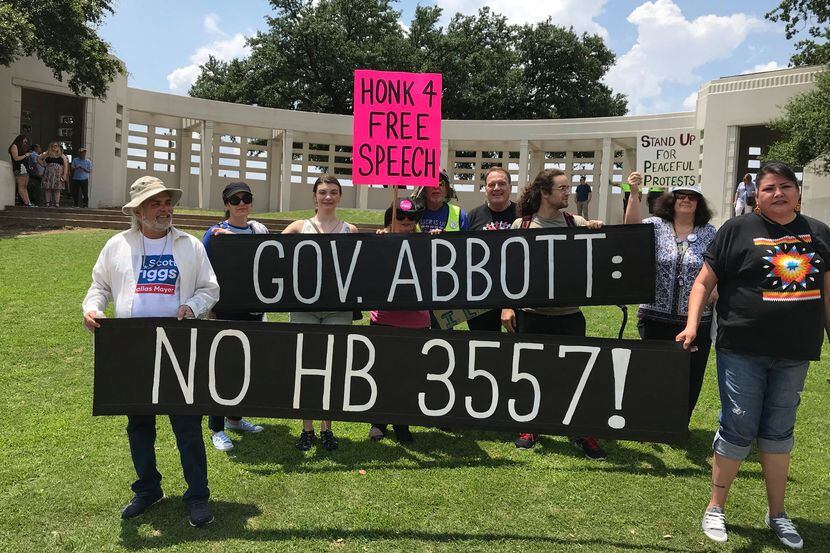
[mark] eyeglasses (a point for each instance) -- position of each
(691, 196)
(404, 215)
(562, 188)
(244, 198)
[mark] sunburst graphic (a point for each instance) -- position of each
(791, 267)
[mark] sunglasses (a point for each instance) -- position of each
(691, 196)
(244, 198)
(403, 215)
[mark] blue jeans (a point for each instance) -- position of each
(141, 431)
(759, 398)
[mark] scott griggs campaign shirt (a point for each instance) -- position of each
(157, 282)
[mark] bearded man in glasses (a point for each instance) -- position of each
(542, 205)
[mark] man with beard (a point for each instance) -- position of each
(156, 270)
(542, 205)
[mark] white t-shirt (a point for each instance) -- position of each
(157, 282)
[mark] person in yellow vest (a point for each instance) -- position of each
(439, 213)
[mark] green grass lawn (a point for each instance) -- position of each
(65, 475)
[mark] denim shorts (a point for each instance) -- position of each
(759, 398)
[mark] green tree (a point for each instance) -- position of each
(62, 33)
(806, 128)
(306, 59)
(491, 69)
(562, 74)
(812, 16)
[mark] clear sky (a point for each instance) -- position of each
(666, 49)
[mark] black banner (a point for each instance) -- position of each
(516, 382)
(528, 268)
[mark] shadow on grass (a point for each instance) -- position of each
(816, 536)
(698, 450)
(273, 451)
(166, 525)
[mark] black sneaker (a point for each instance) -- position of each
(526, 440)
(590, 447)
(139, 503)
(402, 433)
(377, 432)
(328, 440)
(306, 440)
(199, 514)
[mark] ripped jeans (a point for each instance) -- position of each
(759, 398)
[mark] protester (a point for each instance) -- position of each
(55, 174)
(127, 274)
(682, 234)
(583, 197)
(541, 205)
(81, 170)
(405, 221)
(18, 151)
(35, 168)
(439, 213)
(497, 213)
(238, 201)
(327, 194)
(745, 196)
(773, 309)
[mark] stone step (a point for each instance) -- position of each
(50, 218)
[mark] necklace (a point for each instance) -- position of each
(329, 231)
(690, 236)
(144, 248)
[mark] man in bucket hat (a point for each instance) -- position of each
(156, 270)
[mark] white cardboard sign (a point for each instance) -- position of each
(669, 158)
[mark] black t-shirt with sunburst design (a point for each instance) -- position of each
(771, 286)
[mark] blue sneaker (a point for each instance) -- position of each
(785, 530)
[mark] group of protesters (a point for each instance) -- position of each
(763, 272)
(41, 176)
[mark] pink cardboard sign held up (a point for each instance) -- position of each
(397, 128)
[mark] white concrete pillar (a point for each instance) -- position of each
(604, 184)
(537, 163)
(362, 196)
(445, 156)
(285, 184)
(275, 182)
(524, 161)
(205, 164)
(184, 142)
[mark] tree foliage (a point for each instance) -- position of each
(806, 128)
(812, 16)
(62, 33)
(491, 69)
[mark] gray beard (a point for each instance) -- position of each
(157, 227)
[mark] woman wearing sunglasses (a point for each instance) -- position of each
(406, 220)
(238, 201)
(327, 194)
(682, 234)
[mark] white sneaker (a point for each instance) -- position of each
(785, 530)
(221, 441)
(714, 524)
(242, 426)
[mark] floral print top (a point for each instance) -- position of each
(678, 263)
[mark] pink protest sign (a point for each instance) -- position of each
(397, 128)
